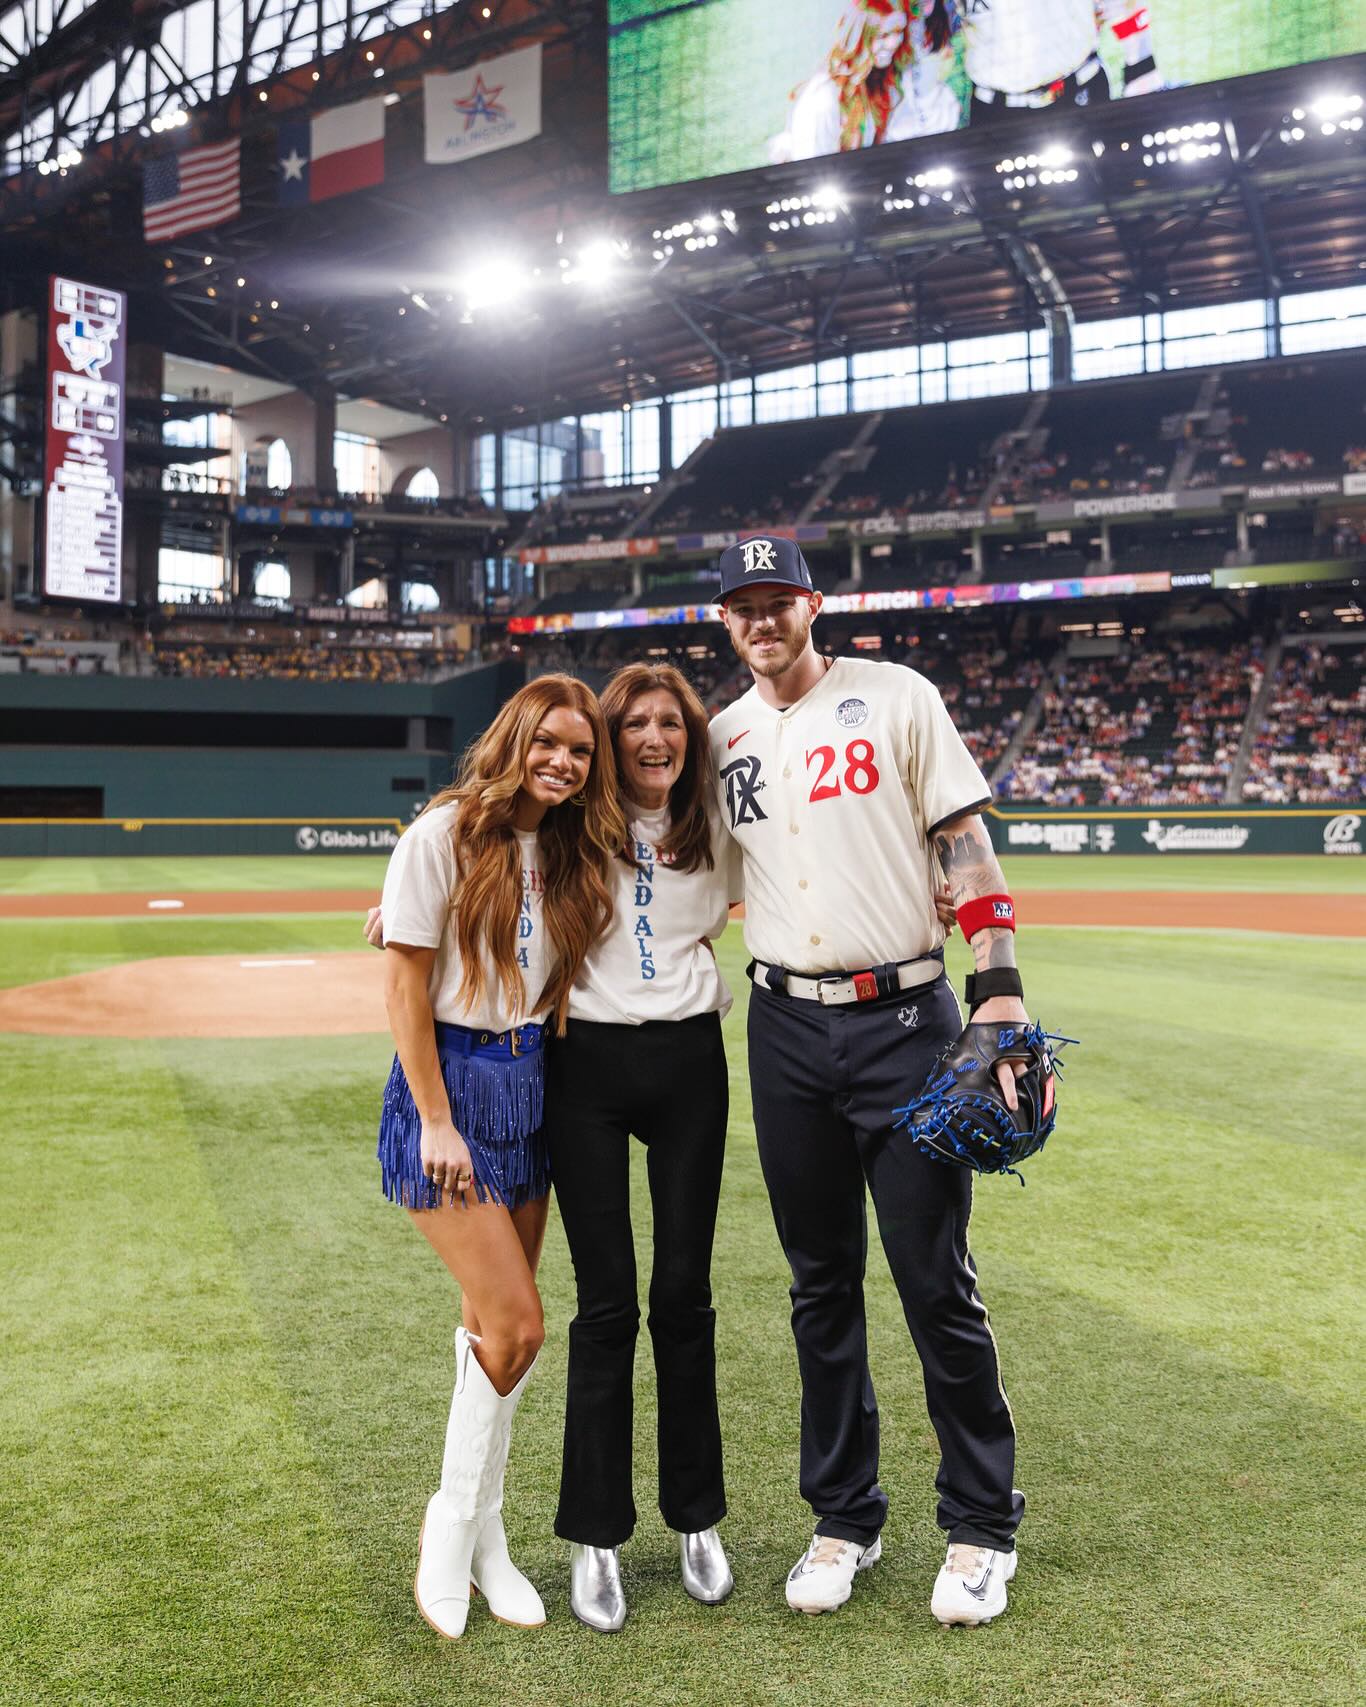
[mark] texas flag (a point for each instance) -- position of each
(336, 152)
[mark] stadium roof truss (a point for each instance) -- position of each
(943, 237)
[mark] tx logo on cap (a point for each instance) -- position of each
(758, 555)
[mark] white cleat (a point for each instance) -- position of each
(971, 1587)
(823, 1578)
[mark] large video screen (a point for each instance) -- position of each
(703, 87)
(83, 480)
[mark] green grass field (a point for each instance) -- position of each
(227, 1364)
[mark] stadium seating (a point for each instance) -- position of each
(1283, 421)
(753, 476)
(1310, 745)
(312, 663)
(1156, 724)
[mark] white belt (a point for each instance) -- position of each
(835, 989)
(1047, 93)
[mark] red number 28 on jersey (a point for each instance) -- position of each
(860, 773)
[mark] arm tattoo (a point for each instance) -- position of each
(972, 870)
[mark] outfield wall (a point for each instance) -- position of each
(81, 759)
(1332, 831)
(1322, 830)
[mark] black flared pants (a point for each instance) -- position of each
(664, 1083)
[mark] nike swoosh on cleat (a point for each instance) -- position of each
(979, 1593)
(735, 738)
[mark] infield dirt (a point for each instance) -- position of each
(327, 995)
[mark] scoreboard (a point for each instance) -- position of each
(699, 88)
(83, 468)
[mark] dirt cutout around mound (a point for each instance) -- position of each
(207, 995)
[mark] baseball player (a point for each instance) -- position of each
(844, 782)
(1032, 54)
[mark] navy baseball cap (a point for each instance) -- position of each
(763, 561)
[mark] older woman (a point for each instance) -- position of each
(491, 901)
(642, 1057)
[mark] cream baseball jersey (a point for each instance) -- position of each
(1018, 45)
(832, 802)
(416, 909)
(654, 961)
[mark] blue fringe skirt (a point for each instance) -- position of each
(496, 1083)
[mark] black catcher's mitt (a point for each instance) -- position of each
(959, 1114)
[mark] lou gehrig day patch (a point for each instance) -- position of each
(849, 713)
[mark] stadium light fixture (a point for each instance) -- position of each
(827, 196)
(496, 281)
(1026, 171)
(596, 262)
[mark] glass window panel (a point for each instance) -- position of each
(644, 439)
(997, 347)
(604, 449)
(933, 355)
(355, 460)
(183, 575)
(787, 378)
(279, 466)
(994, 380)
(694, 416)
(419, 595)
(934, 387)
(1221, 317)
(1107, 334)
(737, 403)
(1217, 347)
(886, 391)
(425, 485)
(271, 581)
(1324, 305)
(1323, 335)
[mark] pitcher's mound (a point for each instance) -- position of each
(207, 995)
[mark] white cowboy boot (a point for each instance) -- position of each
(511, 1598)
(470, 1493)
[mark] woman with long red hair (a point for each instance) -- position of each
(491, 903)
(883, 81)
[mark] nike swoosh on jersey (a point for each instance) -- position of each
(735, 738)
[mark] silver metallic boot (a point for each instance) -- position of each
(595, 1593)
(706, 1571)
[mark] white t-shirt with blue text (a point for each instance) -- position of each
(655, 962)
(416, 909)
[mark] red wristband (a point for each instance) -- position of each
(976, 915)
(1132, 25)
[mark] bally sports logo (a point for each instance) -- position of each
(1340, 834)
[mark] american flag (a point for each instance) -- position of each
(186, 192)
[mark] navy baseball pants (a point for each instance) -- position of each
(824, 1082)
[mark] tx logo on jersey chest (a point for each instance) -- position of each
(743, 784)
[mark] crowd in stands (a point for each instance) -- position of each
(1124, 468)
(308, 663)
(1310, 746)
(61, 650)
(1159, 727)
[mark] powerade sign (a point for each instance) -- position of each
(310, 839)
